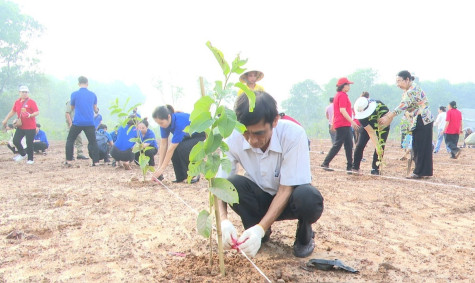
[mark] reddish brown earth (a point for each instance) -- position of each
(103, 224)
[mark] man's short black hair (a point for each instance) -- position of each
(265, 109)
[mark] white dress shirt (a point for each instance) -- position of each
(285, 162)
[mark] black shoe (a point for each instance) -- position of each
(67, 165)
(375, 172)
(114, 163)
(301, 250)
(326, 167)
(82, 157)
(304, 243)
(178, 181)
(195, 179)
(266, 237)
(349, 171)
(458, 153)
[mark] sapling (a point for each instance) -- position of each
(124, 118)
(381, 143)
(218, 122)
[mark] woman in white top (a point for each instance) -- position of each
(440, 123)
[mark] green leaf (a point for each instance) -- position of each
(237, 64)
(227, 122)
(212, 166)
(220, 58)
(226, 165)
(195, 169)
(136, 148)
(201, 123)
(202, 105)
(197, 152)
(224, 146)
(203, 224)
(212, 143)
(224, 190)
(250, 95)
(240, 127)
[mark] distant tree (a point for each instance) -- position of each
(306, 104)
(16, 31)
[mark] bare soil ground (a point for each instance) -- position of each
(104, 224)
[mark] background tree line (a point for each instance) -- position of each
(307, 100)
(19, 66)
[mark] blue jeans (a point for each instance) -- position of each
(440, 137)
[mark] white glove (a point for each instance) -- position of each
(251, 240)
(228, 233)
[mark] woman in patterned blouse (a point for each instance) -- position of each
(415, 101)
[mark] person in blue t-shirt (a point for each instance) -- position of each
(40, 142)
(134, 112)
(84, 103)
(148, 138)
(97, 118)
(122, 149)
(113, 134)
(179, 149)
(104, 142)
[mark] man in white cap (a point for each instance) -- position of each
(250, 78)
(368, 111)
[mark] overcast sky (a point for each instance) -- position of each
(290, 41)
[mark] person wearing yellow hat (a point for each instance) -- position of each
(250, 78)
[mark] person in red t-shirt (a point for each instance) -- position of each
(342, 123)
(453, 127)
(26, 111)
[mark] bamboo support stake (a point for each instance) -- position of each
(220, 236)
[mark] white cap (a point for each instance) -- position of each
(24, 88)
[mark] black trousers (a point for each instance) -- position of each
(122, 155)
(90, 132)
(181, 156)
(422, 148)
(29, 137)
(344, 136)
(451, 141)
(360, 146)
(150, 153)
(305, 204)
(39, 146)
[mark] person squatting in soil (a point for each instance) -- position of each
(40, 141)
(178, 151)
(104, 143)
(276, 186)
(342, 123)
(367, 112)
(147, 134)
(415, 101)
(452, 130)
(84, 104)
(26, 110)
(122, 149)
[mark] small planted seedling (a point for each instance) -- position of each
(206, 157)
(381, 143)
(123, 113)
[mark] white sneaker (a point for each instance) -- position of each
(18, 158)
(30, 162)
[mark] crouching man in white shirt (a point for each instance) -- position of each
(276, 186)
